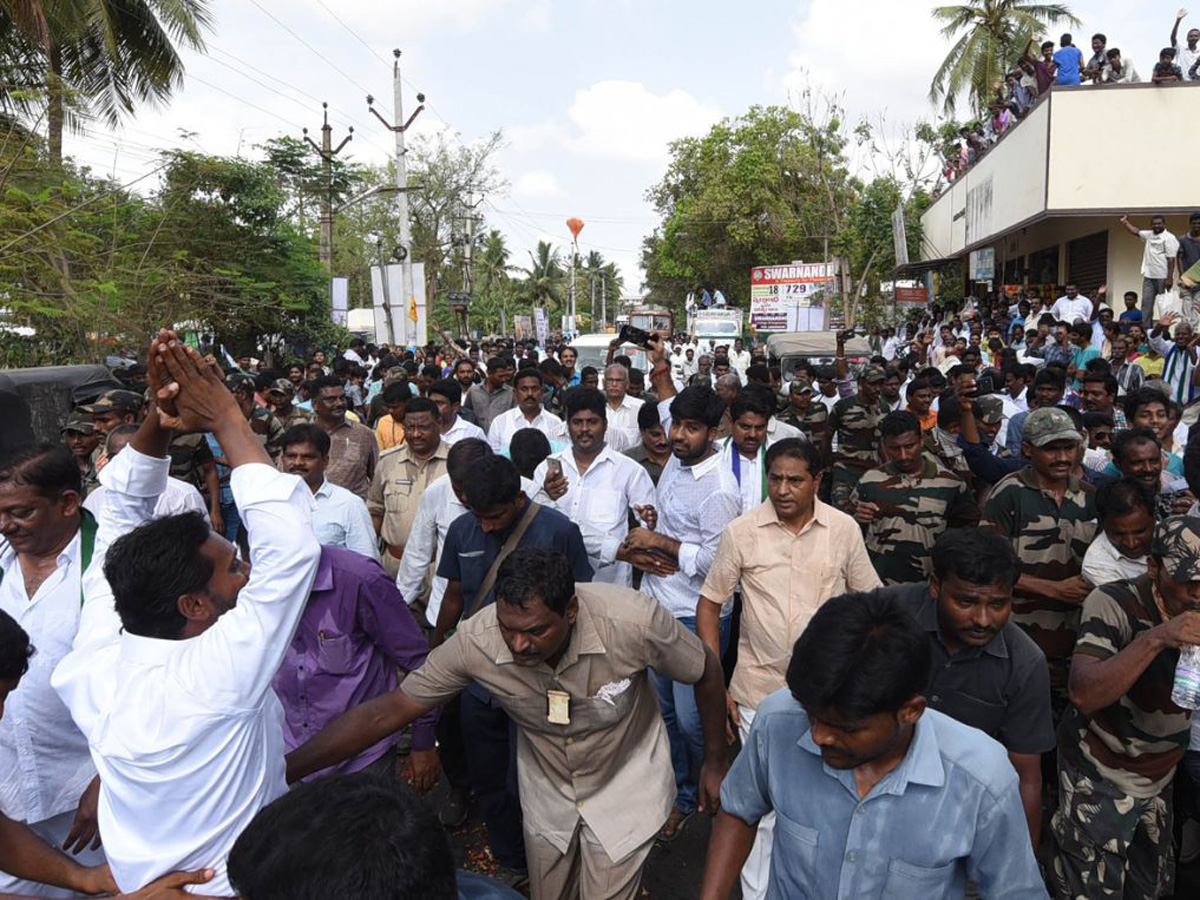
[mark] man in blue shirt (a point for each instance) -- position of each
(474, 540)
(874, 795)
(1069, 60)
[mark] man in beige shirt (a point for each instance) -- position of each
(404, 473)
(568, 663)
(790, 555)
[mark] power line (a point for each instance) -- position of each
(352, 32)
(327, 61)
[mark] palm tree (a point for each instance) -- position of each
(544, 279)
(104, 56)
(994, 35)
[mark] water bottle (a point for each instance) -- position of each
(1186, 692)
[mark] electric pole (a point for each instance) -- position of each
(406, 278)
(327, 154)
(603, 303)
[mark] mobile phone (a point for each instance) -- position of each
(553, 466)
(631, 334)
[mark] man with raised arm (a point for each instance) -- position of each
(170, 680)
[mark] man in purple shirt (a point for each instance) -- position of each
(355, 632)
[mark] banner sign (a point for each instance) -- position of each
(778, 294)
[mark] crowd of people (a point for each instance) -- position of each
(936, 601)
(1032, 75)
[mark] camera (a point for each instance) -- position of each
(631, 334)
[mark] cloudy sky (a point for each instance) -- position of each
(588, 93)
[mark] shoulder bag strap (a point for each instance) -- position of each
(485, 588)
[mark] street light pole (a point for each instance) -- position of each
(398, 129)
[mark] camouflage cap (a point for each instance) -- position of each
(1050, 424)
(989, 409)
(282, 386)
(239, 381)
(801, 386)
(1176, 542)
(115, 401)
(873, 374)
(79, 422)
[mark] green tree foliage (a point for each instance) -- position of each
(92, 267)
(95, 57)
(989, 37)
(766, 187)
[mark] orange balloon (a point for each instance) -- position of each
(576, 226)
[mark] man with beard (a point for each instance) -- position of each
(863, 777)
(986, 671)
(907, 502)
(340, 518)
(1126, 511)
(696, 498)
(1048, 514)
(745, 450)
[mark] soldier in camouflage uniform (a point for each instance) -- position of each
(989, 419)
(1049, 515)
(79, 434)
(907, 502)
(281, 395)
(801, 412)
(855, 420)
(262, 421)
(1122, 738)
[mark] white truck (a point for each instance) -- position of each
(712, 327)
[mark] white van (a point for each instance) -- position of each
(592, 350)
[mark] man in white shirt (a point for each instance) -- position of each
(356, 352)
(740, 358)
(46, 774)
(171, 681)
(697, 497)
(528, 391)
(1158, 261)
(1121, 549)
(744, 452)
(340, 518)
(447, 394)
(596, 487)
(179, 497)
(1072, 307)
(622, 410)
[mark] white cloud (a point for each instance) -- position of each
(624, 120)
(895, 83)
(538, 186)
(416, 15)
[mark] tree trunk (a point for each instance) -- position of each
(55, 115)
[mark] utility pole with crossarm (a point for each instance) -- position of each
(327, 154)
(401, 182)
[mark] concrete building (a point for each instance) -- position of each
(1042, 205)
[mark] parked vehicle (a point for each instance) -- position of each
(711, 327)
(817, 347)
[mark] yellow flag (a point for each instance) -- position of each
(412, 308)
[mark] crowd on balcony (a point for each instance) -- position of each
(1031, 76)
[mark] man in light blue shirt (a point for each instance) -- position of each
(340, 518)
(874, 795)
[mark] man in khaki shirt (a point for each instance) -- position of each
(568, 663)
(790, 556)
(403, 474)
